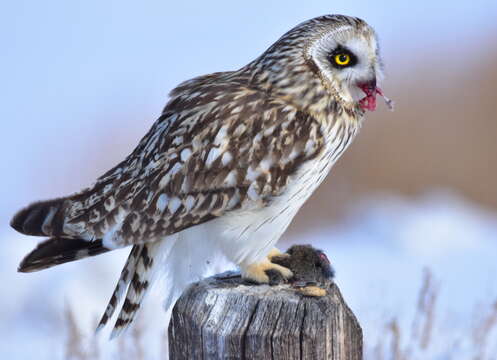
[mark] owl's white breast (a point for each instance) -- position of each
(247, 235)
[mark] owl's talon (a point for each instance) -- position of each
(276, 253)
(266, 273)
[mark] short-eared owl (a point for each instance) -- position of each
(224, 169)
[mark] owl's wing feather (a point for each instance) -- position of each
(218, 146)
(239, 155)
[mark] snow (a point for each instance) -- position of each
(379, 253)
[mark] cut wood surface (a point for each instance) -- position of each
(224, 317)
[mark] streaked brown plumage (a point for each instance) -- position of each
(234, 154)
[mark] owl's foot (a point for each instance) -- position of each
(276, 253)
(266, 272)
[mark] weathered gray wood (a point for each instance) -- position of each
(226, 318)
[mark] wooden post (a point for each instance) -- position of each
(224, 317)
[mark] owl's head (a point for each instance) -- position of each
(332, 56)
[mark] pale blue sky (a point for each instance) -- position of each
(85, 79)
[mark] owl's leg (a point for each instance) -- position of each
(265, 271)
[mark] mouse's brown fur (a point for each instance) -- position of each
(310, 268)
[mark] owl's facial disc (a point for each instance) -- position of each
(350, 64)
(354, 65)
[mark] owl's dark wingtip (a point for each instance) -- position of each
(25, 267)
(18, 220)
(21, 268)
(39, 216)
(29, 220)
(56, 251)
(31, 263)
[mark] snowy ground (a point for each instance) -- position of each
(379, 254)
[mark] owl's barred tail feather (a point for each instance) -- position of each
(136, 278)
(56, 251)
(124, 280)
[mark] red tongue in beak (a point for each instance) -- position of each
(369, 101)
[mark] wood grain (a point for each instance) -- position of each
(224, 317)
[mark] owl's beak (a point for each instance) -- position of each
(371, 90)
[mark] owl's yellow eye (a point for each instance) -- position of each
(342, 59)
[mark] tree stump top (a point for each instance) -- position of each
(225, 317)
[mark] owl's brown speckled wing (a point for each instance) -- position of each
(218, 146)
